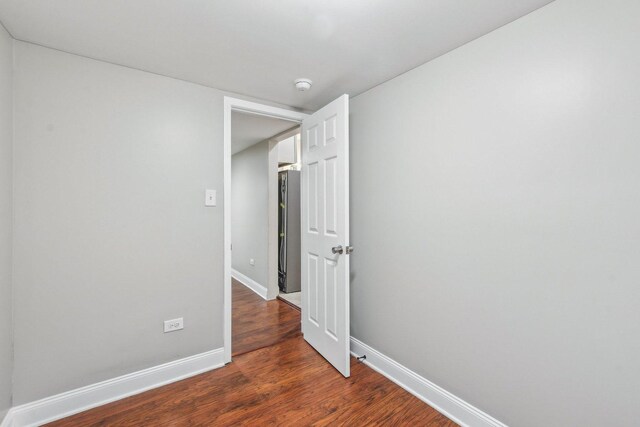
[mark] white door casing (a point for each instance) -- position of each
(325, 225)
(244, 106)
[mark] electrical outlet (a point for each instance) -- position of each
(252, 261)
(173, 325)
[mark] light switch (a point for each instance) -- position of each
(210, 198)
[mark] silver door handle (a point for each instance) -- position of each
(339, 249)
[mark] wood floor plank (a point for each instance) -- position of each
(258, 323)
(276, 378)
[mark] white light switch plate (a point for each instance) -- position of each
(210, 197)
(173, 325)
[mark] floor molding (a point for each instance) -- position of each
(78, 400)
(7, 421)
(250, 283)
(446, 403)
(289, 303)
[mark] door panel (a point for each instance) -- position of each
(325, 225)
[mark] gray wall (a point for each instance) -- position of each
(495, 214)
(250, 211)
(111, 233)
(6, 172)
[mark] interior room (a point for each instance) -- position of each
(394, 213)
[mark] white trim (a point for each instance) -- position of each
(444, 402)
(273, 211)
(7, 421)
(72, 402)
(226, 329)
(272, 218)
(250, 283)
(235, 104)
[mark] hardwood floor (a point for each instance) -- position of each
(258, 323)
(284, 382)
(289, 303)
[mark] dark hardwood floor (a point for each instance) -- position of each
(258, 323)
(283, 381)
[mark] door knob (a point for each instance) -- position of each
(339, 249)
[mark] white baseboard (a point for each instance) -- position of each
(444, 402)
(78, 400)
(81, 399)
(7, 421)
(249, 283)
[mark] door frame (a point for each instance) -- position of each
(274, 192)
(239, 105)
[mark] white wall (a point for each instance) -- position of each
(495, 205)
(111, 233)
(250, 212)
(6, 185)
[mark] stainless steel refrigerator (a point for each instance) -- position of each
(289, 231)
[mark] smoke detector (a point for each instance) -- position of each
(303, 84)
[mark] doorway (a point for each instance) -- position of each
(324, 225)
(265, 214)
(285, 156)
(263, 267)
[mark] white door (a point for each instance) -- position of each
(325, 232)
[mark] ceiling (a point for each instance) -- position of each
(249, 129)
(258, 47)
